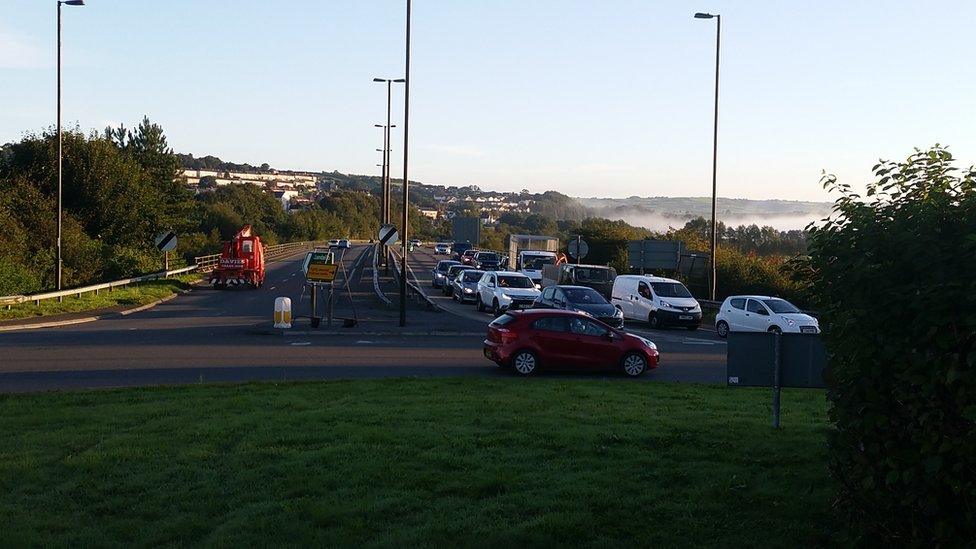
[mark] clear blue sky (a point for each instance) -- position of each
(610, 98)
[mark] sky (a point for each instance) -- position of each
(611, 98)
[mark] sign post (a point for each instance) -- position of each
(578, 248)
(166, 242)
(320, 270)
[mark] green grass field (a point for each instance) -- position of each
(134, 295)
(409, 462)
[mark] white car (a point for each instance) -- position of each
(760, 313)
(499, 291)
(442, 249)
(656, 300)
(334, 243)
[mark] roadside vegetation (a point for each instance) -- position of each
(891, 274)
(132, 295)
(409, 462)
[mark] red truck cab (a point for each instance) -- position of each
(241, 261)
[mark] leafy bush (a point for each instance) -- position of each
(892, 275)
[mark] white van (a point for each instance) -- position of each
(659, 301)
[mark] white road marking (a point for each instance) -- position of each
(364, 342)
(301, 343)
(273, 287)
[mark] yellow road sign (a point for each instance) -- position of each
(321, 272)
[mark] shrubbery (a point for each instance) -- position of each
(892, 275)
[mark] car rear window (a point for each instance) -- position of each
(550, 324)
(487, 257)
(502, 320)
(738, 303)
(591, 274)
(472, 276)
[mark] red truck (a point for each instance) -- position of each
(241, 261)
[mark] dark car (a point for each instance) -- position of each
(452, 271)
(465, 285)
(438, 275)
(487, 261)
(459, 248)
(545, 338)
(468, 256)
(581, 299)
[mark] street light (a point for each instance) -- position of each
(406, 181)
(385, 214)
(58, 245)
(718, 42)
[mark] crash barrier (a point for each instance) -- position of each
(282, 312)
(376, 278)
(201, 264)
(766, 359)
(413, 288)
(207, 263)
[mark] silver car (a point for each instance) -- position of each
(465, 285)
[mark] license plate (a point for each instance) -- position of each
(808, 329)
(684, 317)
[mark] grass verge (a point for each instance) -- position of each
(132, 295)
(409, 462)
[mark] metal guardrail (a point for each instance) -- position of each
(376, 278)
(413, 288)
(202, 264)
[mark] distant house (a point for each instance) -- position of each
(431, 213)
(285, 197)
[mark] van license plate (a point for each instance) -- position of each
(684, 317)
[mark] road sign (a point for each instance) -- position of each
(166, 241)
(320, 267)
(655, 254)
(580, 246)
(388, 235)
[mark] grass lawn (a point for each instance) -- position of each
(407, 462)
(135, 295)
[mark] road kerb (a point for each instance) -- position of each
(86, 319)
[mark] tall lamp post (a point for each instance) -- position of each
(718, 43)
(385, 215)
(58, 245)
(406, 181)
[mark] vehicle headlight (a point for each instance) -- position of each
(439, 275)
(666, 304)
(789, 321)
(618, 313)
(505, 297)
(647, 342)
(468, 291)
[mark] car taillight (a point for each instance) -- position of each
(507, 335)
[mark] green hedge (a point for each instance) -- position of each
(892, 275)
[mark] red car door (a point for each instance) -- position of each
(590, 345)
(554, 342)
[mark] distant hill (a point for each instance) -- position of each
(660, 212)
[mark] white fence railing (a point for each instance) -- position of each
(203, 263)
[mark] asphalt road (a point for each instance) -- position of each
(225, 335)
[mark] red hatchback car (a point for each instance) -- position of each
(528, 340)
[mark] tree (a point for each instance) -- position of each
(892, 275)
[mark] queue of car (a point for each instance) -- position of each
(576, 317)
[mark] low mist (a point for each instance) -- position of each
(661, 223)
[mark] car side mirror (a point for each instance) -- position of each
(608, 336)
